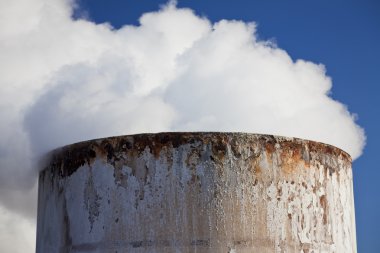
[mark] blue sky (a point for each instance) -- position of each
(342, 35)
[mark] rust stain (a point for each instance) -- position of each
(324, 205)
(290, 159)
(257, 170)
(219, 147)
(269, 147)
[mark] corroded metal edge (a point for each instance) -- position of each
(69, 158)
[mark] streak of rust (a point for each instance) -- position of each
(324, 205)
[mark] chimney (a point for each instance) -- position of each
(196, 192)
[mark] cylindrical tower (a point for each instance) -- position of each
(196, 192)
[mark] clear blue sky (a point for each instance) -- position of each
(343, 35)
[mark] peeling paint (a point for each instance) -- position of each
(196, 192)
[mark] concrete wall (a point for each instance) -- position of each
(196, 192)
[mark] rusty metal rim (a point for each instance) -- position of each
(205, 134)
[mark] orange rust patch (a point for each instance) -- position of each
(323, 202)
(258, 169)
(269, 147)
(291, 157)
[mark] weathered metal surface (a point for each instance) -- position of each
(196, 192)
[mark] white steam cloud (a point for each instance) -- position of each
(65, 80)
